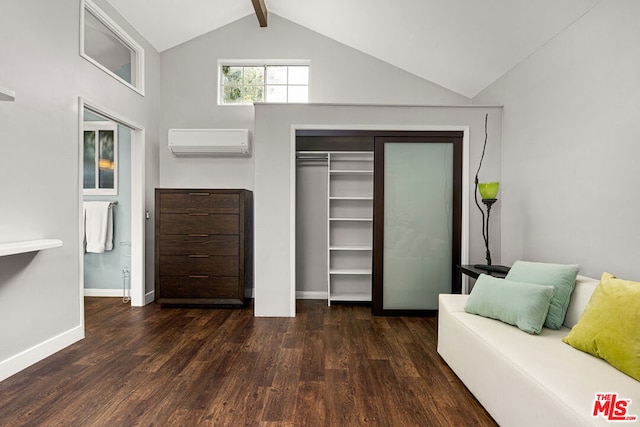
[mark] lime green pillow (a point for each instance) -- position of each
(609, 326)
(562, 277)
(521, 304)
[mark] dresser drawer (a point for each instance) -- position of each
(199, 287)
(199, 265)
(199, 244)
(204, 223)
(199, 201)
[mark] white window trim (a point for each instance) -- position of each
(98, 126)
(88, 5)
(256, 63)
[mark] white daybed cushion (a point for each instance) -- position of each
(522, 379)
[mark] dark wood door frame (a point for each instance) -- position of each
(452, 137)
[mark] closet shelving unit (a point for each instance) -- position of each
(350, 225)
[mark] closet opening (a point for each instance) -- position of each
(334, 216)
(338, 256)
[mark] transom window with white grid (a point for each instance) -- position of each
(246, 84)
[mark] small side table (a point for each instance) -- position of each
(474, 272)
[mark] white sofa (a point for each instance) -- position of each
(530, 380)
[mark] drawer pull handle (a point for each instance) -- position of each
(198, 256)
(198, 194)
(198, 277)
(198, 235)
(198, 214)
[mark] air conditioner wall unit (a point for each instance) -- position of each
(209, 142)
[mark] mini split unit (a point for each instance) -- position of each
(209, 142)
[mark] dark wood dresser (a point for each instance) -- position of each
(203, 247)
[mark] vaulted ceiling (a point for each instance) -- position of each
(462, 45)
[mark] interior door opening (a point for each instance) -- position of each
(133, 253)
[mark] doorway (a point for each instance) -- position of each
(106, 193)
(134, 253)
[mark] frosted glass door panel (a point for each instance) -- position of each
(418, 217)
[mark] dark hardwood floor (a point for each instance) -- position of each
(329, 366)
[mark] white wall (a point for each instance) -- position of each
(41, 309)
(274, 268)
(339, 74)
(571, 144)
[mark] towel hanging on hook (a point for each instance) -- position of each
(98, 226)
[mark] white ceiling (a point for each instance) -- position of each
(462, 45)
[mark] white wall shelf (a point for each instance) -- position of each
(7, 94)
(12, 248)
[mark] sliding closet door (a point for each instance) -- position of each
(417, 221)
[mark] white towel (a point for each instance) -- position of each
(98, 227)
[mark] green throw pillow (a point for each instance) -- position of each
(561, 277)
(521, 304)
(609, 326)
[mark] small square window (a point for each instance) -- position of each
(298, 75)
(100, 158)
(298, 94)
(276, 75)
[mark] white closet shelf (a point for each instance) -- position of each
(351, 248)
(350, 198)
(350, 271)
(12, 248)
(350, 172)
(7, 94)
(355, 296)
(351, 219)
(352, 156)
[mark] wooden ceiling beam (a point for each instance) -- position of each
(261, 11)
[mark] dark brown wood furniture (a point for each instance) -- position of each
(474, 272)
(203, 247)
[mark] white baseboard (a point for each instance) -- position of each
(104, 292)
(311, 295)
(149, 297)
(23, 360)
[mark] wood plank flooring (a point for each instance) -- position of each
(329, 366)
